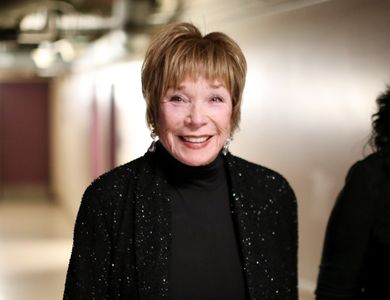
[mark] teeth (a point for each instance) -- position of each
(195, 139)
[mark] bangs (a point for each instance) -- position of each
(203, 60)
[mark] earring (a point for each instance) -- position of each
(153, 135)
(225, 148)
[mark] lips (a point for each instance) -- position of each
(195, 139)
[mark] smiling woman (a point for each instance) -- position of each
(194, 121)
(188, 220)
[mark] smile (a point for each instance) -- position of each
(195, 139)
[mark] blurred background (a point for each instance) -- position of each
(71, 108)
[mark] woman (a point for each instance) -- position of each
(356, 256)
(188, 220)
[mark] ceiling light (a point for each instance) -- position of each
(65, 49)
(44, 56)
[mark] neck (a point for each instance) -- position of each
(182, 174)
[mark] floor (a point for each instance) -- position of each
(35, 245)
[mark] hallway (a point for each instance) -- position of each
(314, 70)
(35, 245)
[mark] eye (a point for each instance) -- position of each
(177, 98)
(216, 99)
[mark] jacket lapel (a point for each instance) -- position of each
(152, 232)
(247, 206)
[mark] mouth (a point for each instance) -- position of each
(195, 139)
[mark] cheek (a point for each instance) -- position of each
(167, 122)
(163, 117)
(225, 121)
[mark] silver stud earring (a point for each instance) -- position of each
(153, 135)
(225, 148)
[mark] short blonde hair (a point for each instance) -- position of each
(178, 51)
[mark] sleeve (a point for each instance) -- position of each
(89, 266)
(346, 239)
(291, 247)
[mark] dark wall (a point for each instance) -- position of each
(24, 132)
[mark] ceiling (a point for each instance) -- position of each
(47, 36)
(68, 26)
(90, 18)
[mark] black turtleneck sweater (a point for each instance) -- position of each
(205, 262)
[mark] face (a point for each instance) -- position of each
(195, 120)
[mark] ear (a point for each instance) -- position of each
(154, 128)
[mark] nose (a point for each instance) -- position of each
(197, 116)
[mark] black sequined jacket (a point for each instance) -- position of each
(122, 234)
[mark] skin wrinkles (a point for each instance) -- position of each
(195, 120)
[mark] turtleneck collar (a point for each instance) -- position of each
(208, 176)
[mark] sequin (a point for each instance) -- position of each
(122, 235)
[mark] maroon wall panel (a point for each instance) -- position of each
(24, 132)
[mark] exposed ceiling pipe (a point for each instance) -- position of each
(61, 19)
(47, 33)
(58, 32)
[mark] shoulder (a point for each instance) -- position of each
(370, 169)
(262, 194)
(117, 180)
(258, 176)
(366, 184)
(112, 192)
(247, 169)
